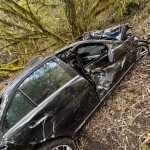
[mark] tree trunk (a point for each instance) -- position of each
(71, 14)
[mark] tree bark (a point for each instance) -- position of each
(71, 15)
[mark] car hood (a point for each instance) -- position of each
(116, 33)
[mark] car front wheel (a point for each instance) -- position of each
(59, 144)
(143, 50)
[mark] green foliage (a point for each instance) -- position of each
(7, 69)
(23, 22)
(4, 74)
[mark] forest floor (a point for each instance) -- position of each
(123, 121)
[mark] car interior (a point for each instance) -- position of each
(88, 55)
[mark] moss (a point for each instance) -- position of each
(134, 126)
(4, 74)
(143, 69)
(14, 63)
(139, 92)
(145, 147)
(130, 101)
(7, 69)
(132, 90)
(100, 6)
(133, 101)
(127, 100)
(125, 9)
(11, 69)
(145, 15)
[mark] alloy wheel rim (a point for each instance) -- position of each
(142, 52)
(62, 147)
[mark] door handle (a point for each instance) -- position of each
(33, 124)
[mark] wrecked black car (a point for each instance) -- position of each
(46, 106)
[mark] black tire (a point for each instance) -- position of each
(143, 50)
(58, 143)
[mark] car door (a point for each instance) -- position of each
(105, 73)
(82, 100)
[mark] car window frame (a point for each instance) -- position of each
(35, 100)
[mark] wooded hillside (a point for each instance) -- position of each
(40, 27)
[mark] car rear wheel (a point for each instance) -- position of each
(59, 144)
(143, 50)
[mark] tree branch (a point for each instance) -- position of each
(36, 20)
(14, 25)
(11, 69)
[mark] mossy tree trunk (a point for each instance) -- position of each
(71, 14)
